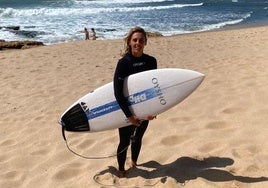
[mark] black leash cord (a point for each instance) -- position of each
(88, 157)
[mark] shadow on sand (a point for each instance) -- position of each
(185, 169)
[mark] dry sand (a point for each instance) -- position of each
(217, 137)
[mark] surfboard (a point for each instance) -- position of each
(148, 93)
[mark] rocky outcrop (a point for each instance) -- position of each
(19, 44)
(10, 27)
(25, 33)
(151, 34)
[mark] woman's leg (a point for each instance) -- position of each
(136, 145)
(124, 136)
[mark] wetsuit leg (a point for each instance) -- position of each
(124, 136)
(136, 146)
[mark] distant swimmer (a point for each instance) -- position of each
(94, 37)
(86, 34)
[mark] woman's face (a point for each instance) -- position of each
(137, 43)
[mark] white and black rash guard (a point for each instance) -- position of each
(127, 66)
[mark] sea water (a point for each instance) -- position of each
(54, 21)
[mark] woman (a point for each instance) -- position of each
(133, 61)
(86, 34)
(94, 37)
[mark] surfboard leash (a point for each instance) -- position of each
(96, 177)
(88, 157)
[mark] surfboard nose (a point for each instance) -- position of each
(195, 74)
(200, 77)
(75, 120)
(196, 78)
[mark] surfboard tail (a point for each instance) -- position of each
(75, 120)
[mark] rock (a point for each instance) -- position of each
(19, 44)
(151, 34)
(26, 33)
(29, 34)
(10, 27)
(30, 44)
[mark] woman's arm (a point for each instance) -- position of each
(121, 72)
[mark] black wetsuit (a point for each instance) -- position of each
(126, 66)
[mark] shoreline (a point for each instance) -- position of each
(227, 27)
(245, 25)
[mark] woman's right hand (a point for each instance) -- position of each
(135, 121)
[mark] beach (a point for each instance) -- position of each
(217, 137)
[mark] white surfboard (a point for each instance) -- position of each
(148, 93)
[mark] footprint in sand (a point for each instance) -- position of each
(8, 143)
(70, 171)
(12, 175)
(173, 140)
(215, 82)
(208, 147)
(64, 174)
(40, 152)
(180, 119)
(245, 152)
(253, 168)
(217, 125)
(4, 158)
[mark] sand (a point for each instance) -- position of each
(217, 137)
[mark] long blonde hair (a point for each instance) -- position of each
(127, 48)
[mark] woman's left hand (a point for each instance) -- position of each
(135, 121)
(150, 117)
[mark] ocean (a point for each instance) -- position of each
(55, 21)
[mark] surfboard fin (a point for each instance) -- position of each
(75, 120)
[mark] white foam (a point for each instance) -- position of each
(222, 24)
(106, 2)
(7, 12)
(84, 11)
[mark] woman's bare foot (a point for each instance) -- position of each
(133, 164)
(121, 173)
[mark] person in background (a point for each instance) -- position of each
(134, 60)
(94, 37)
(86, 34)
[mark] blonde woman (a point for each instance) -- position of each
(133, 61)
